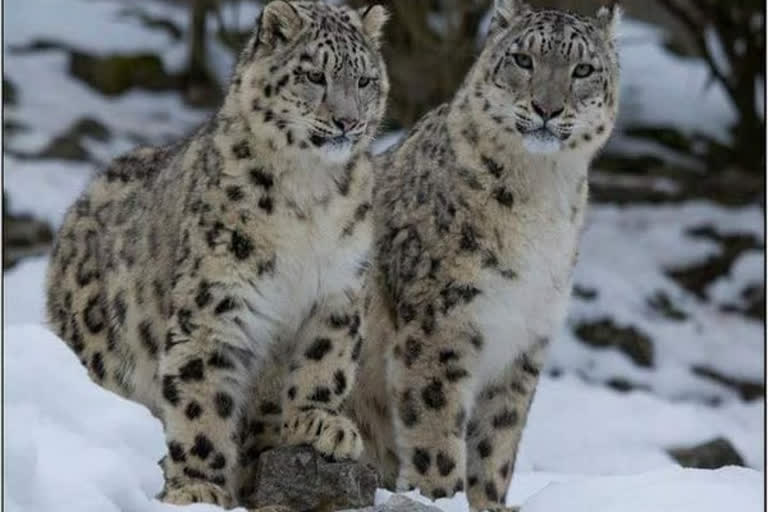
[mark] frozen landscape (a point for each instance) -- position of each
(646, 367)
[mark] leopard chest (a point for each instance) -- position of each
(524, 299)
(314, 260)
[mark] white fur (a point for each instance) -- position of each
(513, 314)
(541, 144)
(337, 153)
(311, 267)
(512, 317)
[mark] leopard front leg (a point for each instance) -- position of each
(320, 377)
(494, 432)
(204, 372)
(429, 378)
(200, 409)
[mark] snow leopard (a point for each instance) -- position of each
(477, 215)
(217, 279)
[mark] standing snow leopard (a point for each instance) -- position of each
(216, 280)
(477, 215)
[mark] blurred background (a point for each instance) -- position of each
(669, 298)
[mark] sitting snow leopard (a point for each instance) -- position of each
(477, 215)
(216, 280)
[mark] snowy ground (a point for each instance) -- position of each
(72, 446)
(587, 447)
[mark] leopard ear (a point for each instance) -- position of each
(504, 12)
(280, 23)
(609, 19)
(373, 19)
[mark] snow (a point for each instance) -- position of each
(24, 299)
(624, 253)
(748, 270)
(611, 433)
(150, 116)
(659, 88)
(457, 503)
(59, 182)
(671, 490)
(27, 20)
(47, 113)
(73, 446)
(31, 20)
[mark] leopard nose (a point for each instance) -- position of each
(547, 113)
(344, 123)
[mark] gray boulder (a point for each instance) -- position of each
(300, 479)
(715, 454)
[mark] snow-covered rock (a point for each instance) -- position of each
(398, 503)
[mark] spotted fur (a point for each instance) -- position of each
(476, 222)
(216, 280)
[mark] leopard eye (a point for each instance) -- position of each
(523, 60)
(364, 82)
(316, 77)
(583, 70)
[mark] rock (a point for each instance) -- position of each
(712, 455)
(729, 186)
(585, 293)
(629, 340)
(398, 503)
(10, 94)
(751, 303)
(754, 296)
(115, 74)
(747, 390)
(39, 45)
(697, 277)
(64, 147)
(627, 195)
(616, 163)
(70, 145)
(12, 127)
(667, 137)
(93, 128)
(301, 479)
(663, 305)
(23, 237)
(643, 179)
(623, 385)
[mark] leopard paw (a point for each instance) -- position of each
(331, 435)
(196, 492)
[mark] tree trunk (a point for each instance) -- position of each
(427, 62)
(201, 88)
(197, 62)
